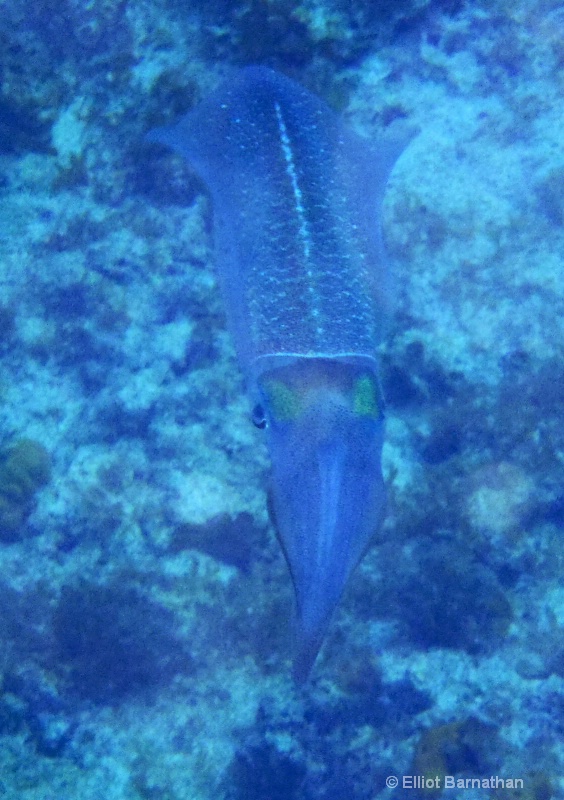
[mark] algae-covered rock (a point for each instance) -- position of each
(465, 747)
(114, 641)
(25, 466)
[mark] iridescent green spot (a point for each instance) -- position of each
(365, 397)
(284, 404)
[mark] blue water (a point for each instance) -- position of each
(145, 605)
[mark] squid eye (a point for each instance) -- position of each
(258, 416)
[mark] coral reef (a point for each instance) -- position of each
(143, 635)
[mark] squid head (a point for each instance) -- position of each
(325, 429)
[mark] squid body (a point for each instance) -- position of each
(297, 200)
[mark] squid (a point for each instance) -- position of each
(297, 205)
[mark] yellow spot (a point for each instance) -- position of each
(365, 397)
(284, 403)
